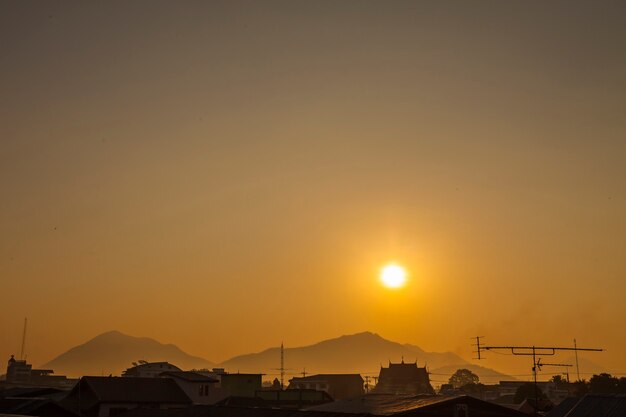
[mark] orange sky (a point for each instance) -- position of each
(227, 175)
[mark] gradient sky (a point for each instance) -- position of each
(227, 175)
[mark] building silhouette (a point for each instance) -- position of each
(144, 369)
(338, 386)
(21, 373)
(403, 378)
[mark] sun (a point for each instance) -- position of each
(393, 276)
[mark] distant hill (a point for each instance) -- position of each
(364, 353)
(113, 352)
(358, 353)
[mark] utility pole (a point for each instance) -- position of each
(23, 339)
(304, 372)
(577, 368)
(367, 383)
(282, 366)
(535, 351)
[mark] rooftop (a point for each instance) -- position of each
(388, 404)
(190, 376)
(134, 390)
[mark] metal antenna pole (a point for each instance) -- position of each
(23, 339)
(576, 354)
(282, 366)
(536, 407)
(534, 351)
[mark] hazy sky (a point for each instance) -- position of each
(227, 175)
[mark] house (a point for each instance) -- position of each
(555, 392)
(592, 405)
(41, 407)
(33, 401)
(530, 406)
(241, 385)
(338, 386)
(370, 405)
(18, 371)
(108, 396)
(403, 378)
(143, 369)
(416, 405)
(201, 389)
(293, 398)
(21, 373)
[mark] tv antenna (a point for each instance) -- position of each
(477, 344)
(566, 365)
(533, 351)
(282, 368)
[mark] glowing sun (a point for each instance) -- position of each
(393, 276)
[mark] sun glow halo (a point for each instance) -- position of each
(393, 276)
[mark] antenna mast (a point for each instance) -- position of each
(23, 339)
(577, 368)
(534, 351)
(282, 366)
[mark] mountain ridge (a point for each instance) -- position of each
(113, 351)
(361, 352)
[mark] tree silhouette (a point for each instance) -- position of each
(603, 384)
(558, 379)
(463, 377)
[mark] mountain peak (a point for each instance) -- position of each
(365, 334)
(111, 334)
(113, 351)
(361, 337)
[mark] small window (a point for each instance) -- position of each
(461, 410)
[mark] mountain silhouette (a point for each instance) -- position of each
(112, 352)
(362, 353)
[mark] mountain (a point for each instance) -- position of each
(113, 352)
(362, 353)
